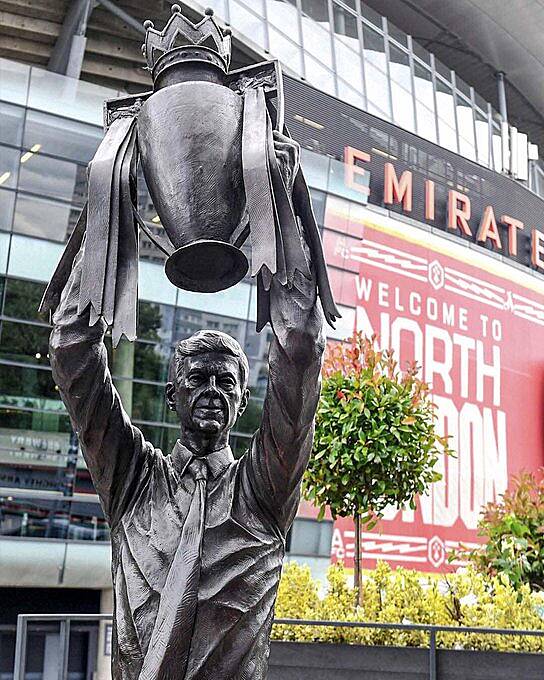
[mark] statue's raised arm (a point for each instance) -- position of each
(114, 450)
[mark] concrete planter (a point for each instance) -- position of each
(321, 661)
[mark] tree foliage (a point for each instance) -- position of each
(375, 440)
(513, 529)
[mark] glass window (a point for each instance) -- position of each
(482, 139)
(9, 165)
(446, 115)
(348, 67)
(319, 75)
(283, 14)
(23, 299)
(286, 51)
(374, 48)
(421, 52)
(403, 107)
(318, 203)
(377, 92)
(423, 83)
(151, 361)
(155, 321)
(317, 41)
(7, 204)
(351, 96)
(426, 122)
(352, 4)
(27, 387)
(44, 218)
(370, 15)
(397, 34)
(465, 123)
(148, 402)
(61, 136)
(189, 321)
(310, 537)
(345, 27)
(444, 71)
(318, 10)
(11, 130)
(25, 343)
(14, 79)
(77, 99)
(399, 67)
(247, 22)
(51, 177)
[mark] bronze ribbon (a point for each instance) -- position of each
(259, 200)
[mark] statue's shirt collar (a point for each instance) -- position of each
(217, 461)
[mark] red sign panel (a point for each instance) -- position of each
(475, 325)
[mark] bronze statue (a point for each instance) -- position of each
(198, 538)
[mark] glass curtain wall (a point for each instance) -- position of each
(346, 49)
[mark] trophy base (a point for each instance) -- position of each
(206, 266)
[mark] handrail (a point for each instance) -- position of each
(66, 619)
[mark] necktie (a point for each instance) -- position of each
(168, 651)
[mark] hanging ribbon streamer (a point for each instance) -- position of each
(109, 278)
(276, 236)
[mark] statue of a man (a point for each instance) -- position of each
(198, 538)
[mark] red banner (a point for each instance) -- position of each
(475, 325)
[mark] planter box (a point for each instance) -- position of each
(322, 661)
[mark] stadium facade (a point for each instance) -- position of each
(430, 198)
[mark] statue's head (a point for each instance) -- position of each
(208, 383)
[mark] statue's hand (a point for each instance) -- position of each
(288, 155)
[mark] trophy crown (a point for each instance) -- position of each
(180, 31)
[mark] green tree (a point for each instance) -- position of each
(375, 441)
(513, 529)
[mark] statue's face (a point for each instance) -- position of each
(208, 395)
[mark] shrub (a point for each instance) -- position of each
(407, 596)
(375, 439)
(513, 529)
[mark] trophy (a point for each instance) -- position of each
(204, 137)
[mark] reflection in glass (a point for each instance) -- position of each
(446, 115)
(403, 107)
(148, 402)
(12, 117)
(399, 67)
(189, 321)
(318, 10)
(372, 16)
(62, 137)
(155, 322)
(319, 75)
(61, 519)
(377, 92)
(426, 122)
(465, 123)
(317, 41)
(25, 343)
(22, 299)
(482, 139)
(7, 203)
(374, 48)
(247, 23)
(348, 68)
(9, 165)
(285, 50)
(397, 34)
(54, 178)
(44, 218)
(28, 387)
(14, 81)
(283, 14)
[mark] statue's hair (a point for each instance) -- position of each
(208, 341)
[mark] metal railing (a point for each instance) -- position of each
(65, 620)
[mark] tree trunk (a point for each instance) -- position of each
(358, 563)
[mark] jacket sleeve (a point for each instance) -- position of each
(281, 448)
(115, 451)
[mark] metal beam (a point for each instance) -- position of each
(125, 16)
(69, 49)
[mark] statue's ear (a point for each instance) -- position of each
(170, 395)
(244, 402)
